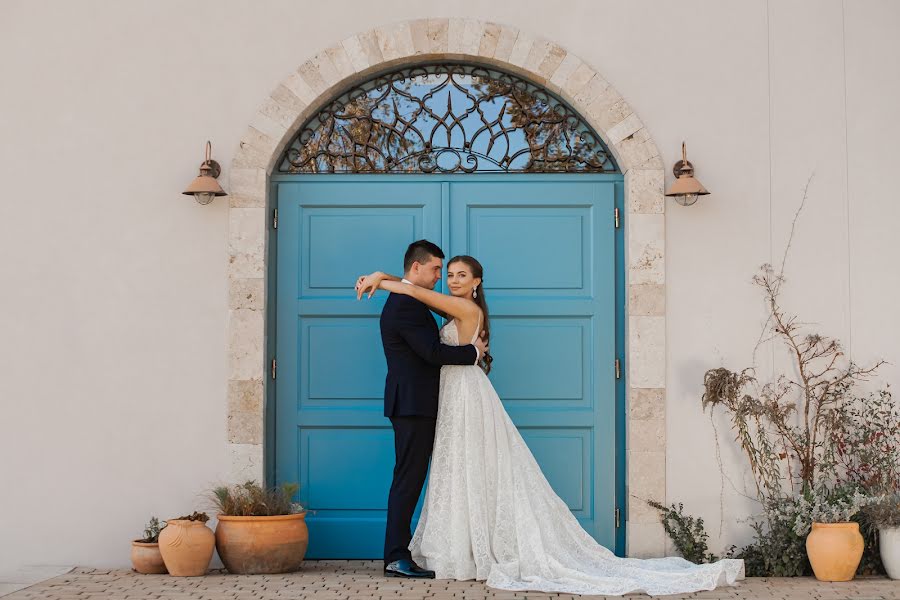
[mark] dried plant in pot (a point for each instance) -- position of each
(884, 515)
(811, 423)
(187, 545)
(145, 555)
(260, 529)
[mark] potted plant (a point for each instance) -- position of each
(260, 530)
(145, 556)
(186, 545)
(834, 544)
(884, 515)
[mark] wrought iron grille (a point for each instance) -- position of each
(447, 118)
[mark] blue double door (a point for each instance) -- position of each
(548, 248)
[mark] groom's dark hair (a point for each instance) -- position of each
(420, 252)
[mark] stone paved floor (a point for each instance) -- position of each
(362, 580)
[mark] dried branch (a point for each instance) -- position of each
(787, 428)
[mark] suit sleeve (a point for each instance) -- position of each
(426, 343)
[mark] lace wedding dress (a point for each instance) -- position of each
(489, 514)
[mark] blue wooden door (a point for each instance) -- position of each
(548, 248)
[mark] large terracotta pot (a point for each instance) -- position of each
(146, 559)
(253, 545)
(834, 550)
(889, 543)
(187, 547)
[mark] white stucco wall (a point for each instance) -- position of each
(114, 297)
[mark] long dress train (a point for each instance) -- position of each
(489, 513)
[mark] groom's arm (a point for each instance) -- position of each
(425, 342)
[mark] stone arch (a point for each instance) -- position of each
(356, 59)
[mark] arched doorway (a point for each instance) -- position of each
(250, 264)
(481, 162)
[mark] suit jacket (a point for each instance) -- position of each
(415, 354)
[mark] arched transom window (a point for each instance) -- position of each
(447, 118)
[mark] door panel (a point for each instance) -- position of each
(548, 255)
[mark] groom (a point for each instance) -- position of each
(414, 356)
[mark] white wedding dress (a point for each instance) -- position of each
(489, 513)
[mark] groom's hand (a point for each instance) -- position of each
(482, 346)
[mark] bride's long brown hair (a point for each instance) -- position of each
(480, 300)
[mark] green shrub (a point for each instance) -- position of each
(151, 531)
(686, 532)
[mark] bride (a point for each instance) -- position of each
(489, 513)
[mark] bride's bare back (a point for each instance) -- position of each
(468, 329)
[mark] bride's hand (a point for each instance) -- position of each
(368, 283)
(359, 283)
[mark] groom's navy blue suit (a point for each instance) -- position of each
(414, 356)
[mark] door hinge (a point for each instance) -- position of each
(618, 369)
(618, 518)
(274, 368)
(616, 213)
(275, 219)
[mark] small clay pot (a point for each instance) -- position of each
(256, 545)
(834, 550)
(187, 547)
(146, 559)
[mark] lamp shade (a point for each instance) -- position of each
(686, 185)
(205, 183)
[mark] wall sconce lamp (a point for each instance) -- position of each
(685, 189)
(205, 187)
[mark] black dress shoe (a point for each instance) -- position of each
(407, 568)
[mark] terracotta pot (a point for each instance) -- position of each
(834, 550)
(146, 559)
(254, 545)
(889, 544)
(187, 547)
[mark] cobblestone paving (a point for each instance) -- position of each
(362, 580)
